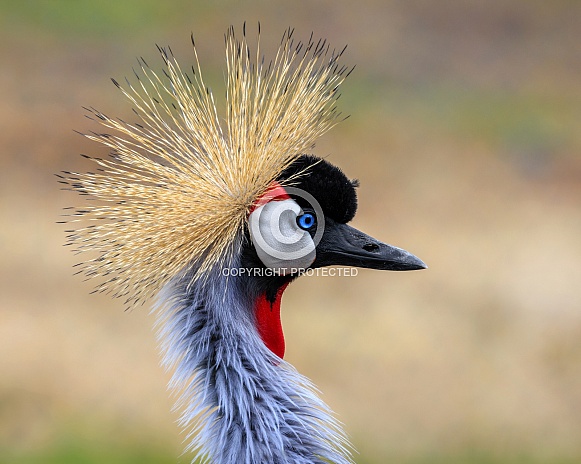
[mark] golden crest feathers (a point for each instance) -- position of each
(178, 185)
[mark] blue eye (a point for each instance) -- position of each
(306, 221)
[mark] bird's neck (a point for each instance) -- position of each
(242, 402)
(268, 321)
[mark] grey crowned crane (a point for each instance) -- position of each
(215, 219)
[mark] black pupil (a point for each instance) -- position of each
(306, 221)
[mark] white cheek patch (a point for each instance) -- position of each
(279, 242)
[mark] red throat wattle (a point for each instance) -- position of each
(268, 322)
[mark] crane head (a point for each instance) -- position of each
(303, 225)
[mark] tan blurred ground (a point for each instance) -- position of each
(466, 136)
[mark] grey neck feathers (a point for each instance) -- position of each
(241, 403)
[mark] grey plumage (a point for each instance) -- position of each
(242, 403)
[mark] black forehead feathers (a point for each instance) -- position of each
(327, 183)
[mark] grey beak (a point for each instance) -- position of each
(344, 245)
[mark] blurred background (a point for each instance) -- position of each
(465, 133)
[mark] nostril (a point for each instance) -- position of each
(370, 247)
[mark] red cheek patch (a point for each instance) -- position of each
(274, 192)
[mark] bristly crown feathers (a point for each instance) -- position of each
(179, 184)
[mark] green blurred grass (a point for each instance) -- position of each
(84, 18)
(89, 453)
(473, 112)
(81, 453)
